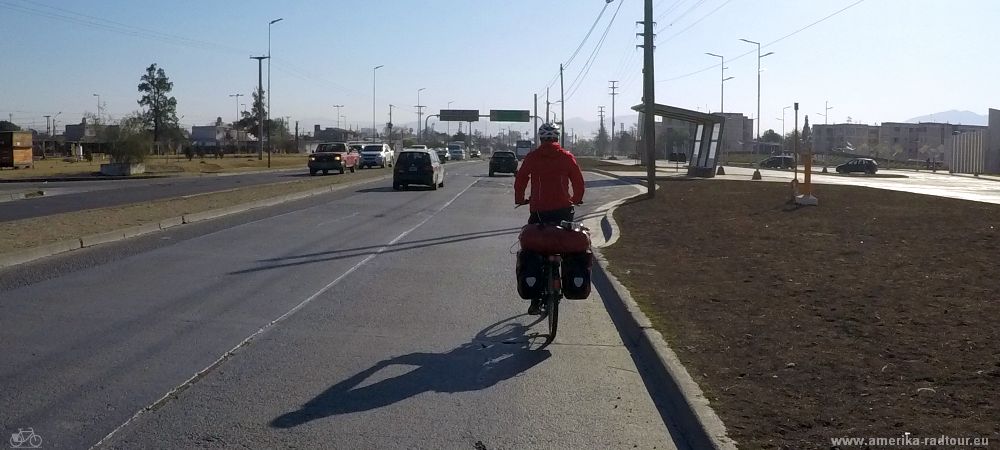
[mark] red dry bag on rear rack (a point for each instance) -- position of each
(553, 240)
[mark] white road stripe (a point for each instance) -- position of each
(201, 373)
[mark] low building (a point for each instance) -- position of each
(844, 137)
(217, 135)
(89, 136)
(737, 134)
(334, 134)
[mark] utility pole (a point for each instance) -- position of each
(536, 119)
(420, 115)
(649, 98)
(562, 106)
(389, 125)
(260, 111)
(338, 114)
(546, 105)
(600, 112)
(47, 125)
(296, 136)
(613, 88)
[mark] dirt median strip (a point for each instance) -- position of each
(871, 315)
(106, 224)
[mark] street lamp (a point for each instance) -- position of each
(783, 126)
(98, 106)
(267, 116)
(759, 56)
(826, 112)
(236, 127)
(374, 134)
(338, 114)
(420, 115)
(722, 97)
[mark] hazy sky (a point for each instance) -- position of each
(881, 60)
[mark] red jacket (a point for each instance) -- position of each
(551, 169)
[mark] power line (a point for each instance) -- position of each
(584, 41)
(763, 46)
(695, 22)
(683, 14)
(582, 75)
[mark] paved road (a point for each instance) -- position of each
(67, 196)
(928, 183)
(367, 319)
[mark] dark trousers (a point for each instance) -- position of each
(552, 217)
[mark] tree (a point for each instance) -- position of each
(771, 136)
(8, 126)
(162, 109)
(130, 140)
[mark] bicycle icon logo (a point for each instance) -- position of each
(25, 438)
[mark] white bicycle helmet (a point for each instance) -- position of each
(548, 131)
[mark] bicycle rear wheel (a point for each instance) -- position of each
(552, 311)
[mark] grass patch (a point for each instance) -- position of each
(57, 167)
(873, 314)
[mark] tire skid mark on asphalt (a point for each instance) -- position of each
(176, 391)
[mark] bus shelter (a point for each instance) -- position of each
(706, 141)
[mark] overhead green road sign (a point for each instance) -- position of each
(459, 115)
(510, 115)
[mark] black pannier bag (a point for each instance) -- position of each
(530, 274)
(576, 275)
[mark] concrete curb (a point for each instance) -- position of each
(27, 255)
(686, 403)
(31, 254)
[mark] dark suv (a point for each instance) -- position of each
(503, 162)
(865, 165)
(418, 166)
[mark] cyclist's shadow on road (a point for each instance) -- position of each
(499, 352)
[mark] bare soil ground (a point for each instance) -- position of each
(872, 315)
(27, 233)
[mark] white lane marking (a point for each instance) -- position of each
(201, 373)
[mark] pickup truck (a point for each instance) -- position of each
(333, 156)
(376, 155)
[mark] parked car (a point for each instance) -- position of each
(442, 154)
(778, 162)
(333, 156)
(416, 166)
(376, 155)
(474, 153)
(865, 165)
(503, 162)
(456, 152)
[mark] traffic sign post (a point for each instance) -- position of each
(510, 115)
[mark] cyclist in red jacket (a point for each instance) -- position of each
(550, 169)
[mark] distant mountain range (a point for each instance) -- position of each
(953, 117)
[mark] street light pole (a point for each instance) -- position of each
(98, 106)
(235, 126)
(268, 115)
(826, 111)
(338, 114)
(260, 111)
(722, 84)
(783, 126)
(759, 56)
(374, 133)
(390, 121)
